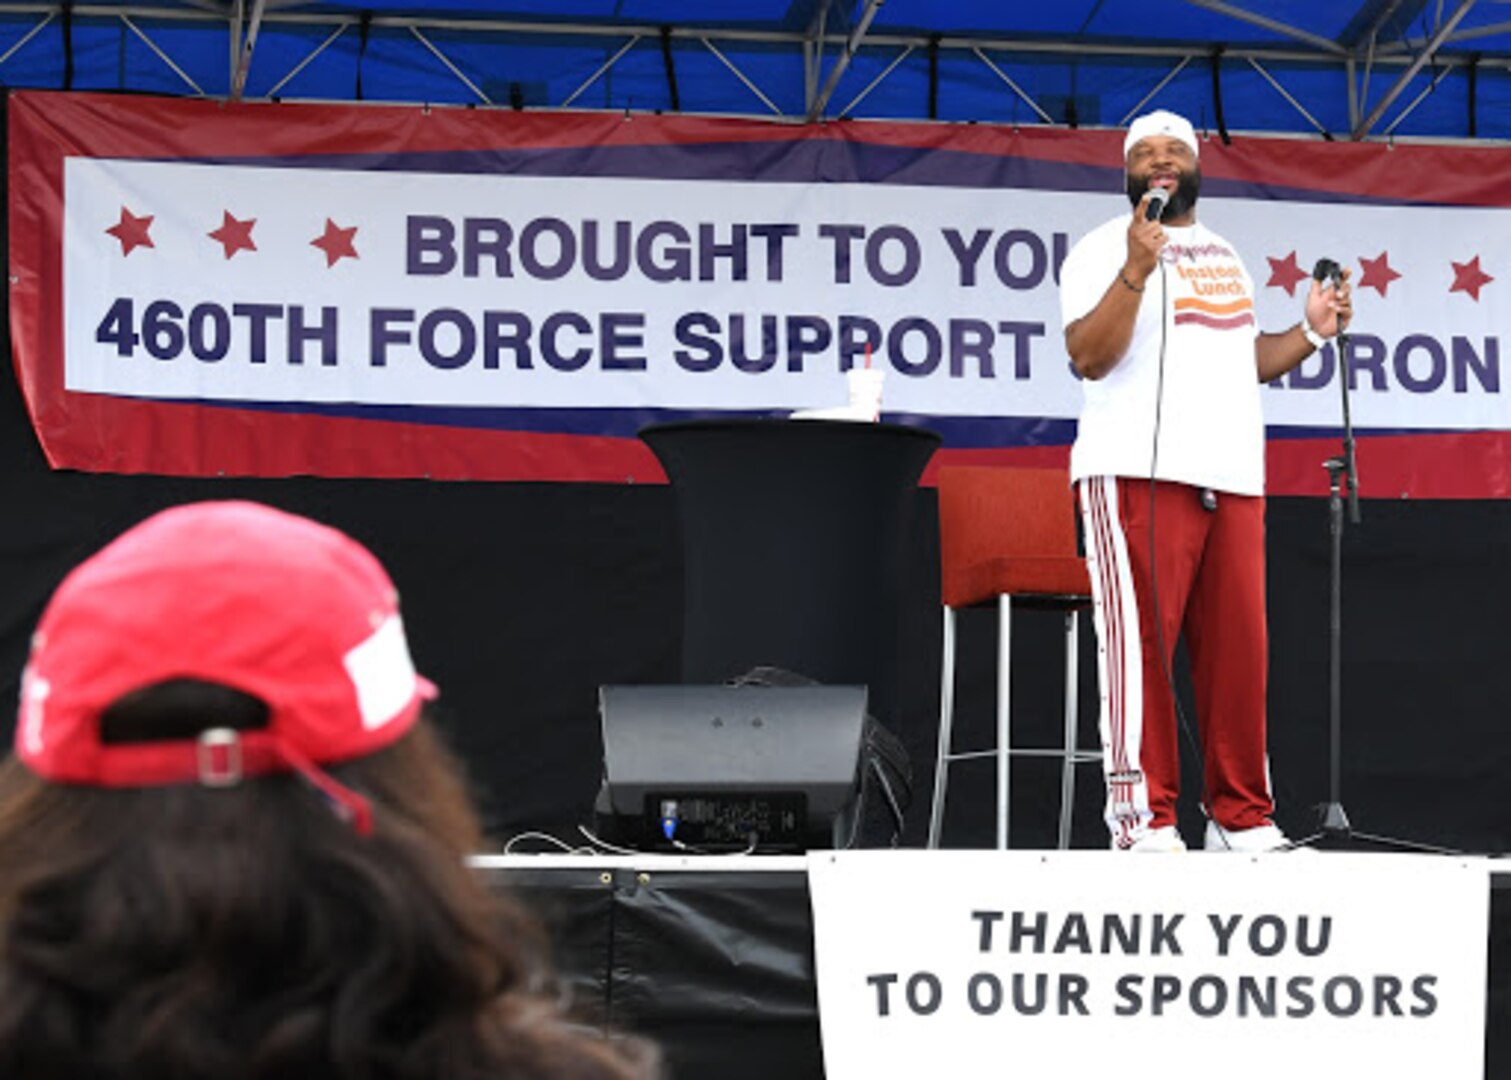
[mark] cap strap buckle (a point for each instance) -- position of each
(218, 757)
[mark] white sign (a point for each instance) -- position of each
(1301, 964)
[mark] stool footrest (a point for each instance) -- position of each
(1080, 757)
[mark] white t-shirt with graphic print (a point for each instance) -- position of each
(1211, 426)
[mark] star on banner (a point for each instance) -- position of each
(234, 235)
(131, 231)
(1285, 273)
(1377, 273)
(1469, 278)
(336, 243)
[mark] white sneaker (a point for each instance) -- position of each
(1247, 841)
(1163, 839)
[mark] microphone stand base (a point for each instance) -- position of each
(1335, 833)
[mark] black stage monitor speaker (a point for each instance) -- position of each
(720, 768)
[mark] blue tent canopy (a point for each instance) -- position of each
(1344, 69)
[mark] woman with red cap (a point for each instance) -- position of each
(233, 848)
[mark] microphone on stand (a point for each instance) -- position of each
(1158, 197)
(1329, 271)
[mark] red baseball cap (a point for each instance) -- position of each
(293, 613)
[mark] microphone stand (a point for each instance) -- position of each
(1334, 828)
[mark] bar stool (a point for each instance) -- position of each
(1008, 534)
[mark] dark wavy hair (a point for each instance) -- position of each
(248, 932)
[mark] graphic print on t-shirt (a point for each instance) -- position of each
(1219, 316)
(1214, 275)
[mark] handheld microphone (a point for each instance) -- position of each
(1158, 197)
(1329, 271)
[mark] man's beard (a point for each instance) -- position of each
(1181, 200)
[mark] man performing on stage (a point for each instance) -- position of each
(1169, 466)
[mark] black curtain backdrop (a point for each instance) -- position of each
(522, 599)
(519, 599)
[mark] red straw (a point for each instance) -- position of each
(868, 356)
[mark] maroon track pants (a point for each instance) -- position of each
(1206, 580)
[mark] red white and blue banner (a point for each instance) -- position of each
(1085, 964)
(203, 288)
